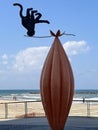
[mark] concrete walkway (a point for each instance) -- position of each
(73, 123)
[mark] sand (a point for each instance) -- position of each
(17, 109)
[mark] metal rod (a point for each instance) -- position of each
(26, 109)
(6, 110)
(88, 109)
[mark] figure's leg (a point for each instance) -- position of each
(38, 17)
(28, 12)
(32, 14)
(40, 21)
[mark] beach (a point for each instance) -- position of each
(19, 109)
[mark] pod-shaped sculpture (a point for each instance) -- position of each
(57, 85)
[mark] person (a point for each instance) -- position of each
(83, 99)
(14, 98)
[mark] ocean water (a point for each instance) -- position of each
(34, 95)
(20, 95)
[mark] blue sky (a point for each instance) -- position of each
(22, 58)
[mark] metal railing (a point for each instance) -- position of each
(85, 107)
(21, 109)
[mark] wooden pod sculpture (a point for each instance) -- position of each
(57, 85)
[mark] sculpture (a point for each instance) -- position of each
(57, 81)
(30, 20)
(57, 85)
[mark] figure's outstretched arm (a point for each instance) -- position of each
(40, 21)
(43, 21)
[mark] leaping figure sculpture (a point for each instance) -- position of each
(32, 17)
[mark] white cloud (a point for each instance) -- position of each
(76, 47)
(33, 58)
(30, 58)
(23, 69)
(4, 57)
(5, 62)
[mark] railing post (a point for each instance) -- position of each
(26, 109)
(88, 109)
(6, 110)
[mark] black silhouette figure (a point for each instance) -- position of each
(30, 19)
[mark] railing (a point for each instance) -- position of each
(85, 107)
(18, 109)
(21, 109)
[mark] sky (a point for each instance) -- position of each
(22, 58)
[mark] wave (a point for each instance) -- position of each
(21, 97)
(34, 95)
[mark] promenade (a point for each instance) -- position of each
(19, 109)
(73, 123)
(82, 116)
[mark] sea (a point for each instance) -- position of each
(34, 95)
